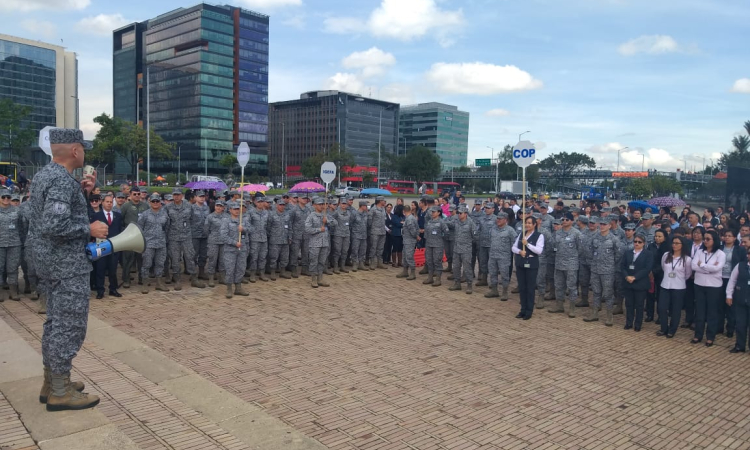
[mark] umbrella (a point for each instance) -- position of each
(208, 185)
(640, 204)
(375, 191)
(159, 178)
(666, 201)
(254, 188)
(307, 186)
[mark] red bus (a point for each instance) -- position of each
(442, 186)
(399, 186)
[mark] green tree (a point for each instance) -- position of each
(661, 186)
(118, 137)
(230, 162)
(562, 164)
(421, 164)
(740, 155)
(639, 188)
(16, 135)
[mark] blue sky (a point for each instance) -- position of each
(668, 79)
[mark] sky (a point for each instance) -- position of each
(668, 79)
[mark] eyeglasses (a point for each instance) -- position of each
(676, 243)
(638, 242)
(566, 220)
(94, 200)
(4, 197)
(155, 201)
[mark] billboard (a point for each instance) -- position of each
(629, 174)
(738, 189)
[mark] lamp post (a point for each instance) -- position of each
(497, 165)
(148, 128)
(205, 157)
(283, 141)
(618, 158)
(643, 160)
(521, 134)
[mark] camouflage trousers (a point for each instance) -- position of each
(215, 253)
(128, 258)
(584, 279)
(448, 246)
(603, 287)
(179, 249)
(67, 317)
(278, 256)
(28, 266)
(235, 263)
(566, 279)
(541, 277)
(318, 260)
(200, 248)
(340, 248)
(377, 244)
(462, 261)
(359, 250)
(409, 247)
(10, 261)
(550, 281)
(153, 258)
(501, 267)
(258, 255)
(433, 259)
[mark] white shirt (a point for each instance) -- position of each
(538, 248)
(515, 208)
(732, 283)
(681, 272)
(707, 268)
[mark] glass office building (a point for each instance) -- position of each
(441, 128)
(205, 70)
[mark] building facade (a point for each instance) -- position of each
(439, 127)
(199, 77)
(44, 77)
(303, 128)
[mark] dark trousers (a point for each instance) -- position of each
(104, 265)
(526, 287)
(742, 319)
(726, 313)
(387, 249)
(653, 299)
(707, 311)
(690, 301)
(670, 309)
(634, 302)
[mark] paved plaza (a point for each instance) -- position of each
(375, 362)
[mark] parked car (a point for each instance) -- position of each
(347, 190)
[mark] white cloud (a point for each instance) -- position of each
(651, 44)
(261, 5)
(39, 27)
(497, 112)
(297, 21)
(480, 78)
(103, 24)
(35, 5)
(348, 82)
(631, 159)
(372, 62)
(405, 21)
(742, 86)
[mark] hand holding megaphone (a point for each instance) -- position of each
(131, 240)
(98, 230)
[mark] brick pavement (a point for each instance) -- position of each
(13, 434)
(375, 362)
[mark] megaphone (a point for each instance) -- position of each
(130, 240)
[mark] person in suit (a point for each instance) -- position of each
(636, 267)
(109, 263)
(734, 254)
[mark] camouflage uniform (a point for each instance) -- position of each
(215, 247)
(465, 233)
(11, 224)
(154, 227)
(27, 262)
(476, 216)
(449, 239)
(501, 255)
(584, 269)
(547, 255)
(359, 226)
(179, 238)
(434, 229)
(235, 259)
(341, 237)
(200, 238)
(485, 225)
(410, 232)
(567, 257)
(279, 230)
(298, 249)
(130, 214)
(320, 241)
(605, 252)
(256, 222)
(377, 236)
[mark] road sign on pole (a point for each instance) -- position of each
(483, 162)
(243, 154)
(524, 154)
(44, 140)
(327, 172)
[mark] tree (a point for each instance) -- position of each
(639, 188)
(421, 164)
(562, 164)
(230, 162)
(16, 134)
(740, 156)
(661, 186)
(118, 137)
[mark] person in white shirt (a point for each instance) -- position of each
(738, 297)
(676, 265)
(527, 248)
(707, 265)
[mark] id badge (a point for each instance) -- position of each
(12, 226)
(527, 266)
(184, 224)
(631, 267)
(346, 224)
(286, 226)
(596, 254)
(554, 249)
(434, 232)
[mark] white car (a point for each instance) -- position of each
(354, 192)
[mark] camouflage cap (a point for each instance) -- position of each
(280, 201)
(477, 201)
(593, 219)
(121, 195)
(575, 210)
(557, 222)
(489, 206)
(219, 202)
(629, 226)
(294, 195)
(68, 136)
(319, 201)
(200, 193)
(5, 192)
(463, 209)
(502, 215)
(176, 191)
(168, 197)
(647, 216)
(15, 198)
(155, 196)
(452, 208)
(583, 219)
(435, 209)
(363, 203)
(379, 198)
(613, 217)
(536, 215)
(233, 205)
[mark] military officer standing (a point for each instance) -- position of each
(377, 233)
(317, 228)
(130, 211)
(298, 249)
(279, 238)
(605, 253)
(434, 229)
(180, 239)
(567, 257)
(215, 245)
(234, 235)
(410, 234)
(341, 236)
(502, 237)
(200, 239)
(486, 224)
(464, 233)
(588, 230)
(154, 224)
(11, 224)
(544, 257)
(449, 239)
(360, 224)
(475, 215)
(256, 223)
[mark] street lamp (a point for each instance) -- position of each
(380, 134)
(497, 165)
(618, 158)
(283, 141)
(519, 136)
(643, 160)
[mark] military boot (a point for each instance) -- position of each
(326, 271)
(314, 281)
(456, 286)
(273, 275)
(343, 269)
(285, 275)
(304, 271)
(211, 281)
(492, 292)
(238, 290)
(34, 293)
(381, 265)
(220, 278)
(583, 302)
(593, 314)
(195, 282)
(515, 290)
(539, 300)
(262, 275)
(572, 310)
(412, 274)
(482, 280)
(618, 307)
(230, 291)
(374, 263)
(468, 288)
(322, 282)
(429, 280)
(610, 317)
(558, 308)
(295, 272)
(177, 282)
(47, 385)
(404, 273)
(336, 270)
(63, 397)
(355, 266)
(550, 295)
(424, 270)
(144, 289)
(42, 304)
(252, 277)
(202, 273)
(13, 292)
(451, 277)
(504, 295)
(160, 286)
(438, 280)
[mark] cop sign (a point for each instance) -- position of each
(243, 154)
(524, 154)
(327, 172)
(44, 140)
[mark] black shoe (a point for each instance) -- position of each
(526, 317)
(115, 294)
(628, 327)
(709, 344)
(736, 350)
(649, 319)
(660, 333)
(637, 328)
(730, 334)
(685, 325)
(695, 341)
(519, 316)
(100, 295)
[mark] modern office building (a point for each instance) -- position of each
(44, 77)
(441, 128)
(199, 76)
(302, 128)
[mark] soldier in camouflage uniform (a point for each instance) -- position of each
(377, 234)
(502, 237)
(647, 229)
(464, 231)
(256, 222)
(279, 230)
(606, 251)
(547, 255)
(449, 239)
(317, 227)
(569, 247)
(180, 240)
(60, 223)
(341, 236)
(130, 212)
(359, 226)
(11, 224)
(434, 229)
(215, 246)
(30, 268)
(235, 238)
(485, 225)
(475, 215)
(200, 239)
(299, 213)
(154, 224)
(550, 284)
(627, 246)
(410, 234)
(588, 230)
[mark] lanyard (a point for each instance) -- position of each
(708, 258)
(675, 262)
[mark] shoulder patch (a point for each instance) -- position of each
(59, 208)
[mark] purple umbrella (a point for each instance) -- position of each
(206, 185)
(666, 201)
(307, 186)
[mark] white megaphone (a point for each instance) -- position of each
(130, 240)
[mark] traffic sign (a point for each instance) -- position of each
(44, 140)
(524, 154)
(243, 154)
(327, 172)
(483, 162)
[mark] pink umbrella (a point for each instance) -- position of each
(307, 186)
(254, 188)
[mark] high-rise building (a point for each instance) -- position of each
(441, 128)
(199, 76)
(303, 128)
(42, 76)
